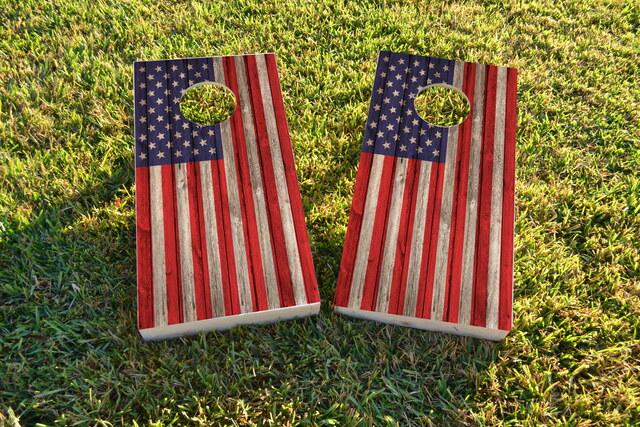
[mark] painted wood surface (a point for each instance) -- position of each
(430, 234)
(220, 222)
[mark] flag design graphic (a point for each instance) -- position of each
(220, 230)
(430, 236)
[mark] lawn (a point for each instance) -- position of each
(69, 349)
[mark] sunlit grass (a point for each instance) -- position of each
(442, 105)
(207, 103)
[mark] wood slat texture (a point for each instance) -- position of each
(221, 239)
(430, 237)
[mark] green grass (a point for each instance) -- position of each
(207, 103)
(442, 105)
(69, 350)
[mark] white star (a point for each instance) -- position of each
(395, 137)
(401, 61)
(143, 119)
(143, 155)
(203, 142)
(383, 117)
(398, 77)
(409, 112)
(412, 140)
(386, 145)
(190, 82)
(406, 129)
(205, 66)
(196, 151)
(198, 74)
(194, 133)
(161, 135)
(383, 74)
(412, 95)
(389, 84)
(152, 110)
(445, 68)
(160, 118)
(176, 117)
(386, 100)
(142, 137)
(422, 131)
(401, 102)
(369, 142)
(380, 134)
(211, 132)
(404, 85)
(438, 134)
(380, 90)
(436, 152)
(174, 67)
(178, 135)
(159, 101)
(141, 69)
(429, 81)
(166, 76)
(416, 63)
(437, 74)
(143, 102)
(158, 85)
(390, 126)
(392, 67)
(158, 68)
(393, 109)
(189, 67)
(174, 83)
(143, 85)
(152, 145)
(420, 149)
(212, 150)
(396, 93)
(187, 143)
(182, 75)
(385, 59)
(151, 77)
(414, 79)
(178, 153)
(422, 72)
(373, 125)
(160, 155)
(428, 143)
(414, 122)
(376, 107)
(431, 65)
(185, 125)
(152, 128)
(168, 145)
(176, 100)
(403, 147)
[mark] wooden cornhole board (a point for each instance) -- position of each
(430, 237)
(221, 236)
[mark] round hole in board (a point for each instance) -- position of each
(442, 105)
(207, 103)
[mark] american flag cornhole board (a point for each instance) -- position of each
(429, 242)
(221, 236)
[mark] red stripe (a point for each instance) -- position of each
(479, 315)
(198, 256)
(374, 264)
(403, 247)
(425, 293)
(398, 308)
(203, 244)
(350, 247)
(172, 260)
(245, 191)
(297, 209)
(227, 257)
(143, 243)
(431, 233)
(458, 212)
(506, 260)
(275, 221)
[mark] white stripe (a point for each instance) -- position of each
(495, 230)
(290, 241)
(391, 239)
(157, 247)
(211, 239)
(262, 218)
(442, 248)
(468, 250)
(184, 238)
(364, 242)
(417, 240)
(233, 189)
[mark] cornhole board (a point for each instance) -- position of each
(220, 230)
(429, 242)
